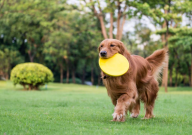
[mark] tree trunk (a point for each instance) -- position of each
(99, 80)
(163, 78)
(101, 20)
(7, 71)
(83, 75)
(166, 76)
(189, 79)
(31, 57)
(7, 76)
(118, 20)
(92, 75)
(121, 29)
(191, 67)
(103, 26)
(67, 74)
(61, 73)
(73, 75)
(163, 26)
(163, 40)
(165, 73)
(122, 25)
(36, 87)
(176, 77)
(184, 80)
(111, 26)
(171, 79)
(24, 86)
(30, 87)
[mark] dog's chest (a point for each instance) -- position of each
(115, 84)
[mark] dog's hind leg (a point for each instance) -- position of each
(151, 95)
(135, 109)
(149, 111)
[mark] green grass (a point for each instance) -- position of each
(78, 109)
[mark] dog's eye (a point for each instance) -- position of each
(112, 45)
(101, 45)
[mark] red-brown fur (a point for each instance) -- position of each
(138, 83)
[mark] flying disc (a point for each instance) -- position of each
(116, 65)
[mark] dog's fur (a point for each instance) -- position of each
(138, 83)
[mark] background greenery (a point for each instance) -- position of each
(80, 109)
(64, 37)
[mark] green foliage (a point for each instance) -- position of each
(178, 78)
(31, 74)
(180, 54)
(172, 31)
(8, 56)
(65, 36)
(77, 80)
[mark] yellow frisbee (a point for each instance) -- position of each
(116, 65)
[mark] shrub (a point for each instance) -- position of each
(31, 74)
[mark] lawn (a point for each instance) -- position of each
(78, 109)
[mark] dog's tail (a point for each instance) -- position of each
(157, 61)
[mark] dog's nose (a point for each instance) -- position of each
(103, 53)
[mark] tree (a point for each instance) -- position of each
(169, 14)
(83, 47)
(25, 21)
(8, 58)
(57, 47)
(183, 38)
(118, 10)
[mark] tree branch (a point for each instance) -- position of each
(123, 22)
(94, 10)
(118, 19)
(2, 4)
(100, 10)
(167, 23)
(100, 17)
(111, 26)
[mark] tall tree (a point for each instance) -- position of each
(165, 16)
(183, 38)
(25, 21)
(118, 10)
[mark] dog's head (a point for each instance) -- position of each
(109, 47)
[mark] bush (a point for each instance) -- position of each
(31, 74)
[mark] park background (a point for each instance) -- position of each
(64, 36)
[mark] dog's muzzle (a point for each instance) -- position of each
(103, 53)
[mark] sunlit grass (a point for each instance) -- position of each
(79, 109)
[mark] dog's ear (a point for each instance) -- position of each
(121, 47)
(98, 48)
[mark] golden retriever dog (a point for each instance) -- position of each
(139, 83)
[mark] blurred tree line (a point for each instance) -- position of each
(65, 37)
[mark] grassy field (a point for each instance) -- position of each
(77, 109)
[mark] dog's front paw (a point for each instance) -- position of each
(134, 115)
(118, 117)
